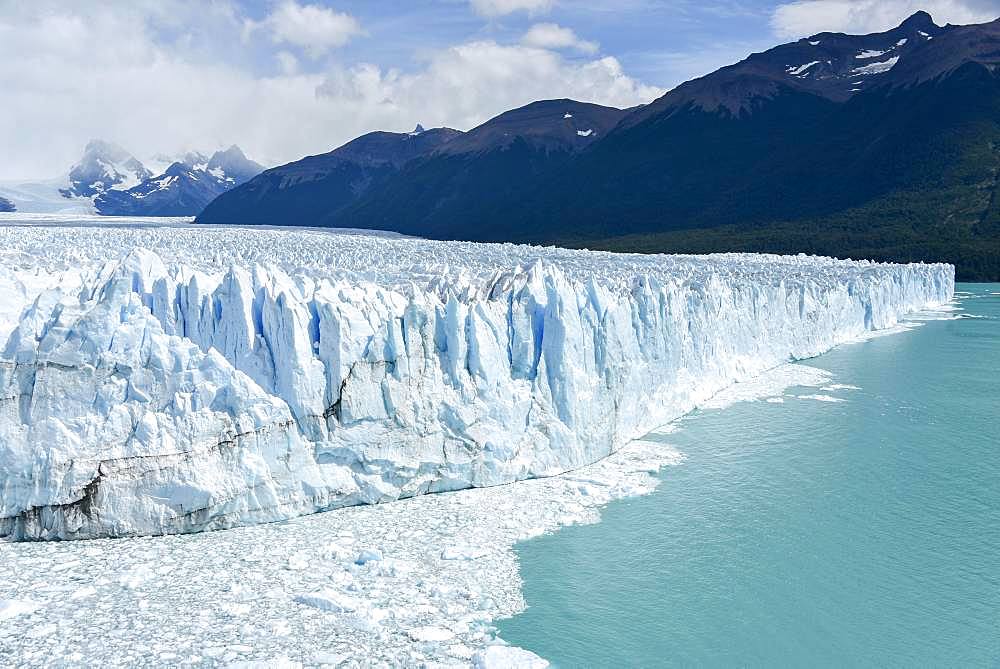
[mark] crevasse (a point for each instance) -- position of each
(149, 397)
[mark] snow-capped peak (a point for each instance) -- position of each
(104, 166)
(184, 187)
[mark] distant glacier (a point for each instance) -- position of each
(164, 380)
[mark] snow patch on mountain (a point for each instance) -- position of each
(877, 68)
(163, 380)
(801, 69)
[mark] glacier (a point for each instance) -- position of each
(161, 380)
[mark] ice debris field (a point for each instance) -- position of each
(418, 583)
(175, 379)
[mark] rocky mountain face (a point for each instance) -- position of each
(884, 146)
(549, 126)
(318, 187)
(832, 66)
(110, 181)
(6, 205)
(183, 189)
(104, 166)
(493, 161)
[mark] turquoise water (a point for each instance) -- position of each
(862, 533)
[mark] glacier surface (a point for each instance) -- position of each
(161, 380)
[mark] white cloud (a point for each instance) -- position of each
(492, 8)
(311, 27)
(464, 85)
(288, 63)
(554, 36)
(79, 71)
(808, 17)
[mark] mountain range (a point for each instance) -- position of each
(104, 166)
(109, 180)
(882, 146)
(183, 189)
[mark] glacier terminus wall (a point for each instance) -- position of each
(178, 379)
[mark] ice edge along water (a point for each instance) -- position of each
(424, 579)
(157, 393)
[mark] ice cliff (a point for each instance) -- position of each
(163, 380)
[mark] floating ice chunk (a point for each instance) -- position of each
(280, 662)
(821, 398)
(137, 576)
(769, 383)
(368, 555)
(335, 551)
(242, 592)
(567, 115)
(298, 561)
(507, 657)
(585, 133)
(463, 553)
(236, 609)
(530, 533)
(42, 631)
(461, 651)
(279, 627)
(10, 608)
(327, 599)
(395, 567)
(65, 566)
(84, 592)
(328, 659)
(430, 634)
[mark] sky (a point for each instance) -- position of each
(288, 78)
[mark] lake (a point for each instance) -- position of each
(858, 532)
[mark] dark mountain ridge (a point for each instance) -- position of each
(480, 174)
(316, 188)
(884, 146)
(834, 66)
